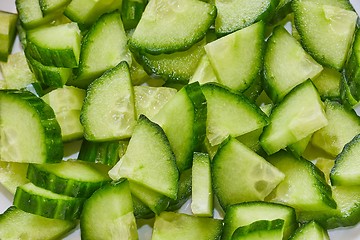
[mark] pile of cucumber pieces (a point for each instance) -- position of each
(241, 111)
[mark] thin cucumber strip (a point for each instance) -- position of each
(184, 191)
(108, 214)
(271, 230)
(29, 130)
(7, 33)
(149, 160)
(36, 200)
(169, 26)
(176, 226)
(71, 178)
(108, 112)
(32, 226)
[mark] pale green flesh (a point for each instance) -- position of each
(15, 146)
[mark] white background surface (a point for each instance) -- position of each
(351, 233)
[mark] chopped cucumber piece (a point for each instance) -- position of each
(7, 33)
(270, 230)
(310, 230)
(12, 175)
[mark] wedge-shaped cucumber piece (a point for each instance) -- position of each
(107, 153)
(176, 226)
(57, 46)
(175, 67)
(95, 58)
(301, 176)
(183, 121)
(67, 103)
(157, 202)
(343, 125)
(32, 226)
(16, 71)
(348, 98)
(352, 68)
(85, 12)
(270, 230)
(299, 147)
(149, 160)
(108, 214)
(239, 174)
(244, 214)
(296, 117)
(108, 112)
(346, 170)
(204, 72)
(286, 64)
(202, 193)
(71, 178)
(347, 212)
(237, 117)
(141, 211)
(326, 31)
(7, 33)
(29, 130)
(131, 12)
(50, 6)
(169, 26)
(50, 76)
(235, 15)
(310, 230)
(149, 100)
(36, 200)
(237, 57)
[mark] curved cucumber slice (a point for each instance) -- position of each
(32, 226)
(169, 26)
(71, 178)
(29, 130)
(270, 230)
(36, 200)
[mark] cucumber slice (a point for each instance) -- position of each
(95, 58)
(176, 226)
(202, 193)
(310, 230)
(237, 167)
(71, 178)
(108, 214)
(85, 12)
(49, 6)
(270, 230)
(12, 175)
(141, 211)
(346, 169)
(299, 147)
(7, 33)
(237, 58)
(32, 226)
(330, 42)
(184, 191)
(36, 200)
(131, 12)
(243, 214)
(343, 125)
(183, 121)
(301, 175)
(223, 120)
(16, 72)
(286, 64)
(169, 26)
(108, 112)
(175, 67)
(107, 153)
(29, 130)
(296, 117)
(149, 160)
(352, 68)
(235, 15)
(204, 72)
